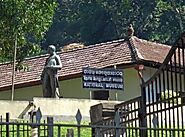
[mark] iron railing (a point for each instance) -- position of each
(164, 95)
(160, 111)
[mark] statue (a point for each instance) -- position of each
(49, 77)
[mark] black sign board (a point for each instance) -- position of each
(94, 78)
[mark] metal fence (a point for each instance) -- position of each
(160, 110)
(111, 127)
(164, 95)
(45, 128)
(125, 121)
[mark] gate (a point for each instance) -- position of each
(160, 110)
(163, 96)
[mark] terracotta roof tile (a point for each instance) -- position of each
(150, 51)
(101, 55)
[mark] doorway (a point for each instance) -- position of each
(101, 94)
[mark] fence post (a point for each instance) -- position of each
(70, 133)
(18, 129)
(38, 119)
(142, 113)
(78, 119)
(1, 126)
(97, 131)
(117, 123)
(35, 117)
(7, 125)
(155, 124)
(50, 126)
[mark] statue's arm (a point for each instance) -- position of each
(58, 64)
(42, 75)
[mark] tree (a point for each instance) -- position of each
(94, 21)
(83, 21)
(25, 21)
(159, 20)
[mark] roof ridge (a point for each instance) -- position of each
(25, 59)
(59, 53)
(133, 48)
(102, 43)
(162, 44)
(108, 42)
(137, 53)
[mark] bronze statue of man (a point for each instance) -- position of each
(49, 77)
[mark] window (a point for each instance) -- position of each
(101, 94)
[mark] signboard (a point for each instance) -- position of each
(94, 78)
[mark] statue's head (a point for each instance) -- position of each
(51, 49)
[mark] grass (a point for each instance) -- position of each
(86, 131)
(25, 131)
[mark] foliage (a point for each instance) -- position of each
(86, 21)
(26, 21)
(24, 130)
(80, 21)
(171, 96)
(94, 21)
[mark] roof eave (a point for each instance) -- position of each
(66, 77)
(149, 63)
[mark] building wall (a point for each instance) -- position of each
(131, 86)
(51, 107)
(73, 89)
(156, 89)
(148, 73)
(22, 93)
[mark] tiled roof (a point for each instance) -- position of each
(150, 51)
(118, 52)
